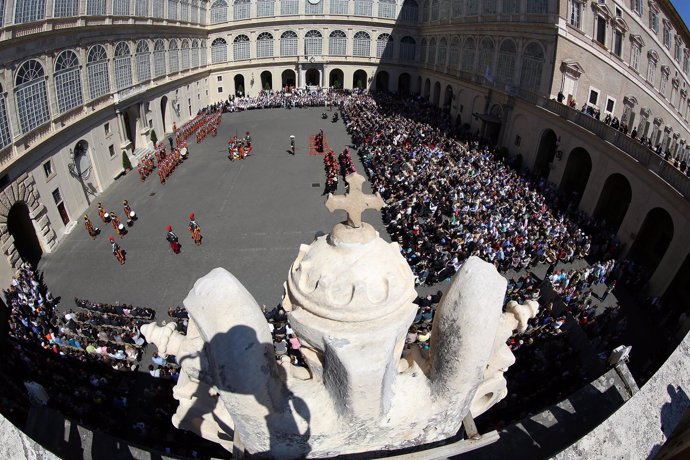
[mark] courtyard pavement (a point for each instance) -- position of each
(254, 215)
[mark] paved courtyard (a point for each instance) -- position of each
(254, 214)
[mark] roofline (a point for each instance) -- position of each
(676, 19)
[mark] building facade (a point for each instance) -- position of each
(82, 81)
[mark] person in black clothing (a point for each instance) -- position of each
(172, 238)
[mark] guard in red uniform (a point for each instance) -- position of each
(173, 240)
(90, 228)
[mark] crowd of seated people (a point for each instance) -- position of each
(447, 199)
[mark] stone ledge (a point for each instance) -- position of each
(642, 425)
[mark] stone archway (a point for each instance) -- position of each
(437, 94)
(359, 80)
(546, 153)
(22, 192)
(448, 97)
(22, 230)
(382, 81)
(239, 86)
(313, 77)
(266, 80)
(404, 84)
(614, 201)
(576, 176)
(653, 239)
(336, 79)
(288, 79)
(164, 113)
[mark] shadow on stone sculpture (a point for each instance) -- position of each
(349, 300)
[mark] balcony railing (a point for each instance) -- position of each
(641, 153)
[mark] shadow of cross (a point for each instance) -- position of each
(354, 202)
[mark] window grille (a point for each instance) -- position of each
(97, 70)
(67, 81)
(31, 96)
(337, 43)
(361, 44)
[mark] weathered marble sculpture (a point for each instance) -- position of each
(349, 300)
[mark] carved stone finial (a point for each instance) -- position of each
(354, 202)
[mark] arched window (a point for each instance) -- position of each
(409, 12)
(29, 11)
(184, 55)
(313, 43)
(219, 51)
(387, 9)
(265, 8)
(337, 43)
(339, 6)
(5, 133)
(288, 43)
(241, 47)
(159, 9)
(289, 7)
(456, 8)
(506, 61)
(468, 54)
(537, 6)
(143, 61)
(384, 46)
(264, 45)
(431, 53)
(442, 52)
(361, 44)
(31, 96)
(454, 63)
(407, 49)
(219, 12)
(120, 7)
(472, 8)
(184, 11)
(123, 66)
(195, 54)
(240, 9)
(61, 8)
(362, 7)
(158, 58)
(97, 71)
(141, 8)
(67, 81)
(313, 8)
(173, 57)
(486, 56)
(532, 66)
(194, 12)
(435, 10)
(172, 10)
(204, 53)
(425, 51)
(95, 7)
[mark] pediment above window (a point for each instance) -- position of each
(653, 6)
(620, 24)
(666, 70)
(572, 67)
(637, 39)
(651, 54)
(602, 9)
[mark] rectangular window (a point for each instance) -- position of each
(654, 21)
(57, 197)
(220, 89)
(220, 78)
(593, 96)
(667, 37)
(651, 71)
(635, 57)
(106, 128)
(339, 6)
(637, 6)
(289, 7)
(111, 150)
(575, 18)
(601, 30)
(610, 104)
(618, 43)
(518, 140)
(48, 169)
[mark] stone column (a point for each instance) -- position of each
(122, 128)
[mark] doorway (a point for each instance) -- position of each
(239, 85)
(20, 226)
(382, 81)
(313, 77)
(288, 79)
(336, 78)
(266, 80)
(359, 80)
(404, 84)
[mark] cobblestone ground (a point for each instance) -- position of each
(254, 214)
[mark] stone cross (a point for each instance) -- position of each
(354, 202)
